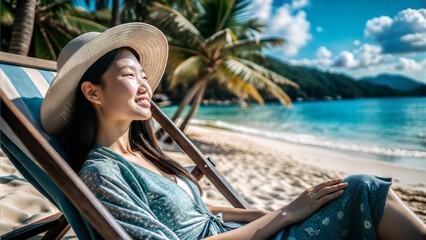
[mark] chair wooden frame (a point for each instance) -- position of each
(62, 174)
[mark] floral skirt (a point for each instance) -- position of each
(354, 215)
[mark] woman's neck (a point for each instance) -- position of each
(115, 136)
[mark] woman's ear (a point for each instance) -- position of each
(91, 92)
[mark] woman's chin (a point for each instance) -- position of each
(143, 115)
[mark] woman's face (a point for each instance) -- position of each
(126, 93)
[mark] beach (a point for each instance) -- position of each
(267, 173)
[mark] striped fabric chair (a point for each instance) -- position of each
(24, 82)
(26, 87)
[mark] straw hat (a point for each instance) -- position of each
(79, 54)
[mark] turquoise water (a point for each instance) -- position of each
(387, 129)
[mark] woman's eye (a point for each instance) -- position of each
(129, 74)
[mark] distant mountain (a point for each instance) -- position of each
(316, 84)
(397, 82)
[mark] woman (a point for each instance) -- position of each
(99, 103)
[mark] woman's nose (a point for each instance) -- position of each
(144, 86)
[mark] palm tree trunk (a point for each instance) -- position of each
(194, 108)
(23, 27)
(115, 13)
(185, 101)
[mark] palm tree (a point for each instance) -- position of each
(54, 24)
(23, 28)
(218, 43)
(139, 10)
(115, 13)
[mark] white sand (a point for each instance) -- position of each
(271, 173)
(20, 202)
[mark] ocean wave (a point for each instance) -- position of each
(312, 140)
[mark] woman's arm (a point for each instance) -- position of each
(302, 207)
(230, 214)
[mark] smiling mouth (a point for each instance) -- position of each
(143, 102)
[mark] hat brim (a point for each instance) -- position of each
(149, 42)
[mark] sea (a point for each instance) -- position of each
(385, 129)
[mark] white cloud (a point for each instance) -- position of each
(404, 33)
(287, 21)
(262, 8)
(346, 59)
(366, 56)
(415, 39)
(323, 52)
(369, 55)
(409, 64)
(357, 42)
(378, 25)
(291, 25)
(323, 59)
(298, 4)
(319, 29)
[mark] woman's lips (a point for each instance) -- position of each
(144, 102)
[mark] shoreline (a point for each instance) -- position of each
(403, 157)
(330, 159)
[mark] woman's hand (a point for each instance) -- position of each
(312, 199)
(302, 207)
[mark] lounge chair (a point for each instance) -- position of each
(42, 160)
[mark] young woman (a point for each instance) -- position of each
(99, 103)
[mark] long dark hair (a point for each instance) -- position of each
(79, 135)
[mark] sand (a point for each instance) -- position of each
(267, 173)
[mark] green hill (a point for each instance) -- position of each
(316, 84)
(397, 82)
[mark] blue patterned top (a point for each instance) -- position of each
(150, 206)
(146, 204)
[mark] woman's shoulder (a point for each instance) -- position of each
(99, 163)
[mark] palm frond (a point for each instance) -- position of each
(252, 44)
(188, 70)
(255, 26)
(103, 16)
(228, 11)
(233, 68)
(44, 48)
(177, 55)
(100, 16)
(222, 37)
(175, 25)
(83, 25)
(6, 14)
(185, 50)
(243, 90)
(275, 77)
(280, 94)
(61, 26)
(252, 92)
(186, 7)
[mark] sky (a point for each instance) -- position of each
(357, 38)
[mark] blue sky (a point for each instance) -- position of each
(358, 38)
